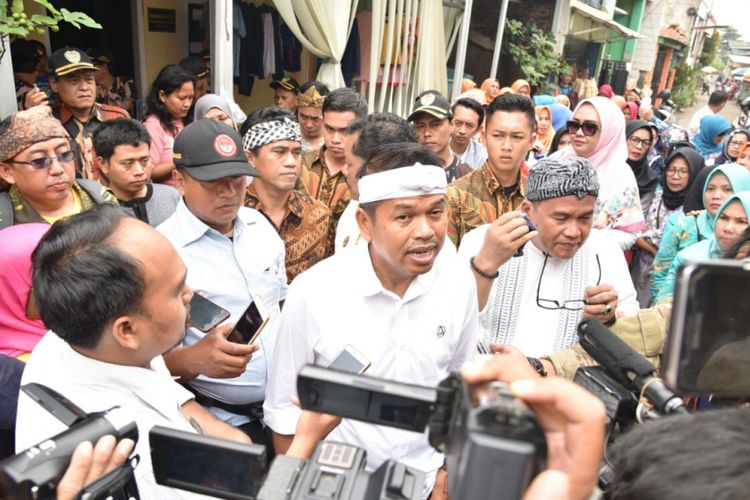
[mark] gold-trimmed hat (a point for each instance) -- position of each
(68, 60)
(310, 98)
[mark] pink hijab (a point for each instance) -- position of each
(18, 334)
(618, 205)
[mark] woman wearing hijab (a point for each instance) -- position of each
(683, 166)
(491, 89)
(630, 111)
(522, 87)
(685, 229)
(598, 132)
(544, 131)
(561, 140)
(214, 107)
(731, 146)
(20, 326)
(606, 91)
(712, 131)
(640, 139)
(731, 221)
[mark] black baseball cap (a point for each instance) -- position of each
(286, 83)
(67, 60)
(433, 104)
(209, 150)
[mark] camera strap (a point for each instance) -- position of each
(118, 484)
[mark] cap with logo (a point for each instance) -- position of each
(433, 104)
(286, 83)
(68, 60)
(209, 150)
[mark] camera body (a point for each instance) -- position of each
(35, 472)
(337, 470)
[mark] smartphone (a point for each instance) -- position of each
(350, 360)
(251, 323)
(205, 464)
(708, 346)
(532, 227)
(204, 314)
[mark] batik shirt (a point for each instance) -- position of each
(306, 230)
(332, 190)
(478, 198)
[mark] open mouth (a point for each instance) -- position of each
(423, 255)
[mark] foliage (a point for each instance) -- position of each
(16, 22)
(686, 83)
(533, 50)
(710, 49)
(731, 34)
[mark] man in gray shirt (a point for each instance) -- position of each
(122, 147)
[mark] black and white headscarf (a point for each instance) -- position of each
(264, 133)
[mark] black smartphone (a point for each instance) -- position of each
(251, 323)
(531, 227)
(204, 314)
(708, 347)
(207, 465)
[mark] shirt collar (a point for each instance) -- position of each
(492, 184)
(66, 114)
(294, 202)
(369, 283)
(192, 228)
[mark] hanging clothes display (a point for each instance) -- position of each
(350, 62)
(260, 49)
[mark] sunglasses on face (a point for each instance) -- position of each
(589, 128)
(45, 162)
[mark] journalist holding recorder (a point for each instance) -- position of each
(112, 291)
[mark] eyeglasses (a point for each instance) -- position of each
(589, 128)
(638, 142)
(737, 143)
(568, 305)
(679, 172)
(42, 163)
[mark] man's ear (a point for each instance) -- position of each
(526, 206)
(365, 224)
(250, 157)
(53, 84)
(103, 165)
(125, 332)
(179, 181)
(6, 173)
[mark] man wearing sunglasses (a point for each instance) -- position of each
(532, 296)
(37, 160)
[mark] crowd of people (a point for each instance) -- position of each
(502, 218)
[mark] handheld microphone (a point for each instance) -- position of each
(628, 366)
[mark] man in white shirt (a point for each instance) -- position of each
(362, 137)
(234, 256)
(468, 117)
(535, 300)
(414, 321)
(112, 290)
(716, 102)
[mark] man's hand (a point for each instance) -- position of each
(571, 418)
(34, 97)
(503, 238)
(311, 428)
(601, 303)
(213, 356)
(89, 463)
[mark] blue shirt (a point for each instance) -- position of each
(231, 272)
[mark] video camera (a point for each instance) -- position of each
(34, 473)
(491, 440)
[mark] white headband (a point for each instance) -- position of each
(402, 182)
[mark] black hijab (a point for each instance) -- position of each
(647, 179)
(691, 198)
(556, 140)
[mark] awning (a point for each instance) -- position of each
(598, 20)
(739, 60)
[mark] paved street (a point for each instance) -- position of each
(730, 111)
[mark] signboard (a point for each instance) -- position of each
(162, 20)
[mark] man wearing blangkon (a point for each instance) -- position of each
(112, 291)
(414, 318)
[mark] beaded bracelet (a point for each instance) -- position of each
(482, 273)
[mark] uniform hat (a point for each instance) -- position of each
(27, 128)
(101, 55)
(557, 176)
(209, 150)
(67, 60)
(286, 83)
(433, 104)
